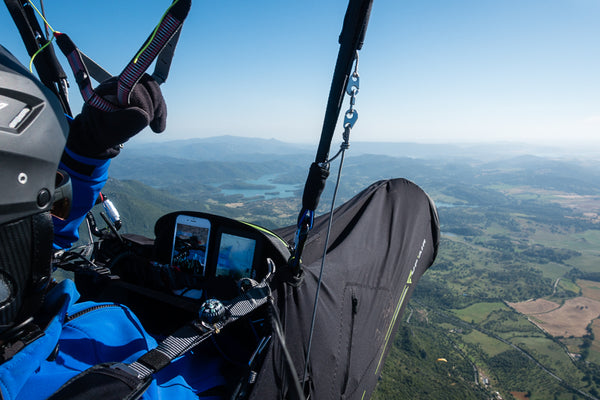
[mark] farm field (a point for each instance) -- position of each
(478, 312)
(489, 345)
(590, 289)
(533, 307)
(570, 319)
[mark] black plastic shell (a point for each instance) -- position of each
(33, 132)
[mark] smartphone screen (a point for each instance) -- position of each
(236, 254)
(190, 244)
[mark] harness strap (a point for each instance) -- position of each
(160, 45)
(196, 332)
(82, 76)
(154, 45)
(163, 62)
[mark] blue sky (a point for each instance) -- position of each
(431, 70)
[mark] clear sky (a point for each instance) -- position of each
(431, 70)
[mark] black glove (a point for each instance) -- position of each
(99, 134)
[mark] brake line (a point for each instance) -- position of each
(48, 26)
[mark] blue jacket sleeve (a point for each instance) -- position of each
(88, 176)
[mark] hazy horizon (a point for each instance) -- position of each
(572, 150)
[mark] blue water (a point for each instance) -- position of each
(278, 190)
(451, 205)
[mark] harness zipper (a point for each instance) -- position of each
(78, 314)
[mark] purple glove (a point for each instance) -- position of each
(99, 134)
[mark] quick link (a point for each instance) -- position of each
(352, 89)
(351, 115)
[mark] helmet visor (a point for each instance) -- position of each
(63, 195)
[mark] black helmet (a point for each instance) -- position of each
(33, 132)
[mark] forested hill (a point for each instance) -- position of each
(513, 300)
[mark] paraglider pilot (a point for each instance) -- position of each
(46, 337)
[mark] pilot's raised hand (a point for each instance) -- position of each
(98, 134)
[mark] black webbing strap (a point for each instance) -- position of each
(314, 186)
(161, 38)
(191, 335)
(160, 46)
(351, 40)
(163, 62)
(170, 348)
(46, 64)
(82, 76)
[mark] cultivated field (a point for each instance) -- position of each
(479, 312)
(570, 319)
(589, 289)
(533, 307)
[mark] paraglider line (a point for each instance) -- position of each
(41, 15)
(38, 52)
(314, 314)
(48, 41)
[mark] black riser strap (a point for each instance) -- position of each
(355, 23)
(153, 46)
(81, 74)
(314, 186)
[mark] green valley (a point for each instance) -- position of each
(511, 307)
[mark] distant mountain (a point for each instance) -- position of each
(167, 171)
(219, 148)
(191, 169)
(541, 172)
(256, 149)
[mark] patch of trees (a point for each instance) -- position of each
(412, 372)
(435, 293)
(476, 195)
(500, 243)
(518, 282)
(506, 250)
(544, 255)
(588, 338)
(592, 374)
(513, 369)
(465, 230)
(576, 273)
(507, 321)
